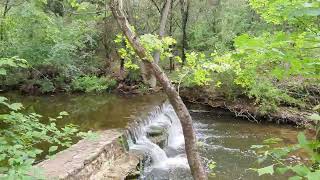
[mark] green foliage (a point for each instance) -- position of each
(280, 11)
(216, 27)
(308, 169)
(152, 43)
(52, 40)
(196, 71)
(262, 65)
(297, 169)
(20, 134)
(212, 166)
(92, 84)
(12, 62)
(46, 86)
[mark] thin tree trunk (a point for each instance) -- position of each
(162, 31)
(193, 156)
(162, 27)
(170, 34)
(4, 15)
(185, 4)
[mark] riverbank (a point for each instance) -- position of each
(246, 108)
(241, 107)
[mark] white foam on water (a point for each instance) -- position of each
(162, 117)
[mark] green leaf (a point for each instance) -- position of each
(266, 170)
(93, 136)
(3, 71)
(52, 119)
(15, 106)
(2, 99)
(64, 113)
(301, 170)
(2, 156)
(53, 149)
(314, 117)
(313, 175)
(316, 108)
(262, 159)
(282, 170)
(295, 178)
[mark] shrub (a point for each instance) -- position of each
(92, 84)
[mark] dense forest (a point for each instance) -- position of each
(257, 58)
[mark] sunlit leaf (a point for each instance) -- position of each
(15, 106)
(295, 178)
(53, 149)
(3, 71)
(313, 175)
(314, 117)
(301, 170)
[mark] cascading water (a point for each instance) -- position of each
(166, 163)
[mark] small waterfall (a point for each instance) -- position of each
(176, 138)
(163, 161)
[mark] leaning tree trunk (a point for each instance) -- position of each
(193, 156)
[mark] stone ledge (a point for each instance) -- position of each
(87, 158)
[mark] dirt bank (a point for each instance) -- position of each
(244, 107)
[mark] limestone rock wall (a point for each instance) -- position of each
(104, 158)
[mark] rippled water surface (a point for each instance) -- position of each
(227, 141)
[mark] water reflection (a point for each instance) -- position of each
(90, 112)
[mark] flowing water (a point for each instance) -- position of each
(222, 137)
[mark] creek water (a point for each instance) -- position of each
(223, 138)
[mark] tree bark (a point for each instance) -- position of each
(193, 156)
(162, 27)
(162, 31)
(185, 4)
(171, 34)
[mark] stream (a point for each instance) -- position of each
(223, 138)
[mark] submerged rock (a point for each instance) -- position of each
(155, 130)
(158, 135)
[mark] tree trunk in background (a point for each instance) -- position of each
(171, 34)
(185, 4)
(193, 156)
(4, 15)
(162, 31)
